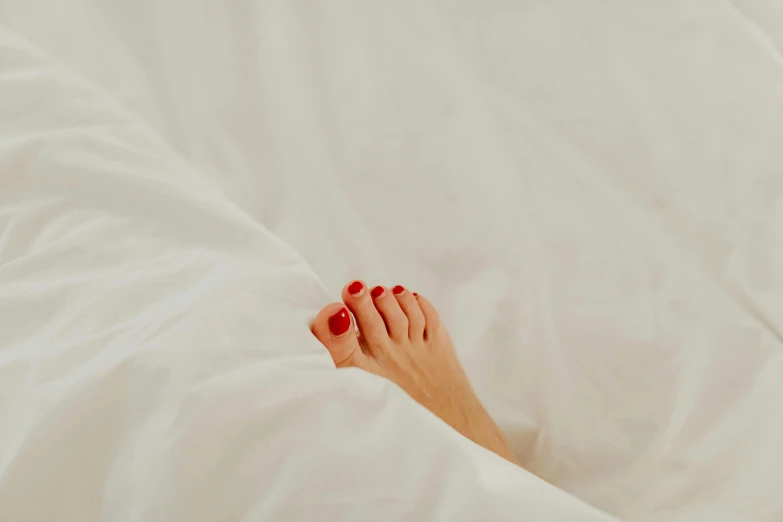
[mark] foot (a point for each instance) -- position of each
(400, 337)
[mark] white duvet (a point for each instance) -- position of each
(590, 192)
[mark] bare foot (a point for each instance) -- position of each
(402, 339)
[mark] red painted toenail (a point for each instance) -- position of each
(340, 322)
(355, 287)
(377, 292)
(398, 289)
(415, 294)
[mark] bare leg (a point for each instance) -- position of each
(400, 337)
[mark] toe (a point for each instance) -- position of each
(357, 298)
(393, 316)
(334, 328)
(431, 317)
(412, 311)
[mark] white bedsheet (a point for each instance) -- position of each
(589, 193)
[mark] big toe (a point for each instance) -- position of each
(334, 328)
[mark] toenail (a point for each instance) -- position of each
(415, 294)
(377, 292)
(340, 322)
(356, 288)
(398, 290)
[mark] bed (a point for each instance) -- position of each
(590, 192)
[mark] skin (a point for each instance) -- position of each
(400, 337)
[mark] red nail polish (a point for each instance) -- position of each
(340, 322)
(415, 294)
(355, 287)
(377, 292)
(398, 290)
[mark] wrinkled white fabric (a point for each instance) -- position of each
(589, 192)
